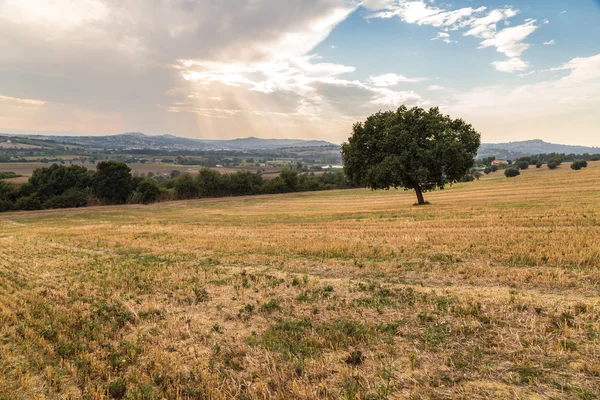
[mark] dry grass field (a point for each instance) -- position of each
(491, 292)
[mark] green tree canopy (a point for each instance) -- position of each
(113, 182)
(410, 148)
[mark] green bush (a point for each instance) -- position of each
(186, 187)
(539, 164)
(113, 182)
(71, 198)
(523, 165)
(579, 164)
(552, 165)
(148, 191)
(512, 172)
(29, 203)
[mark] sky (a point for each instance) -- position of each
(515, 69)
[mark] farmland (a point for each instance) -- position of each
(490, 292)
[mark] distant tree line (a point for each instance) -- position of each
(61, 186)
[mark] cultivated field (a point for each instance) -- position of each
(493, 291)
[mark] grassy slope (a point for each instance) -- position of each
(491, 292)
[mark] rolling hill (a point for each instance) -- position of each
(530, 147)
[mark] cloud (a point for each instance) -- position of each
(15, 100)
(514, 64)
(391, 79)
(549, 43)
(559, 108)
(477, 22)
(132, 59)
(509, 40)
(435, 87)
(444, 37)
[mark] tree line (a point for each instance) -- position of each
(60, 186)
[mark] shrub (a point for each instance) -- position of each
(578, 164)
(5, 205)
(539, 164)
(31, 202)
(7, 192)
(557, 160)
(113, 182)
(148, 190)
(186, 187)
(552, 165)
(523, 165)
(487, 170)
(9, 175)
(512, 172)
(71, 198)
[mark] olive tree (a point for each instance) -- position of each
(415, 149)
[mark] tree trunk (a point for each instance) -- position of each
(419, 195)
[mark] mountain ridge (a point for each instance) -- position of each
(139, 140)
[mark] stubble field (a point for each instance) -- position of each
(493, 291)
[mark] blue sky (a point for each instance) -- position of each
(515, 69)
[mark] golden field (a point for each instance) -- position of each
(491, 292)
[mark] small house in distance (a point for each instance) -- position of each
(499, 163)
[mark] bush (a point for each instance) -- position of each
(557, 160)
(71, 198)
(210, 183)
(579, 164)
(113, 182)
(148, 191)
(512, 172)
(5, 205)
(552, 165)
(9, 175)
(7, 191)
(523, 165)
(487, 170)
(28, 203)
(186, 187)
(539, 164)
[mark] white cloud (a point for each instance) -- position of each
(444, 37)
(144, 61)
(549, 43)
(514, 64)
(65, 13)
(478, 22)
(559, 108)
(509, 40)
(391, 79)
(435, 87)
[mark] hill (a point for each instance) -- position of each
(490, 292)
(531, 147)
(136, 140)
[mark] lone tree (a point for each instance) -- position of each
(413, 149)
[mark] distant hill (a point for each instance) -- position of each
(530, 147)
(137, 140)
